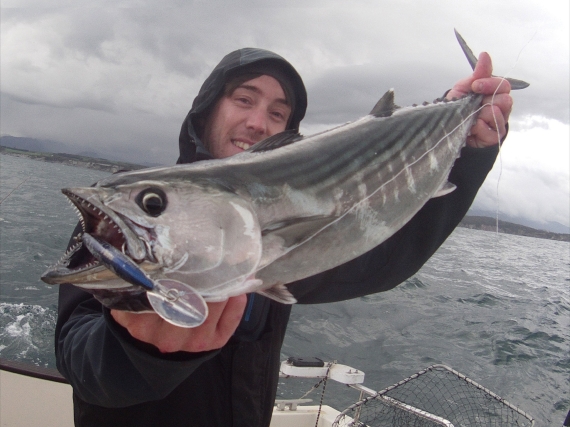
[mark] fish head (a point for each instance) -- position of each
(198, 233)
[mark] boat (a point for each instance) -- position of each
(435, 396)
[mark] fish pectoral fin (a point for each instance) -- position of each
(385, 106)
(279, 293)
(276, 141)
(293, 231)
(280, 237)
(446, 188)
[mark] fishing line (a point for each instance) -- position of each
(500, 154)
(19, 185)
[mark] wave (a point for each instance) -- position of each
(26, 333)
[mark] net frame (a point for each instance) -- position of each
(435, 396)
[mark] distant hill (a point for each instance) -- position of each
(552, 226)
(32, 144)
(490, 224)
(72, 160)
(48, 146)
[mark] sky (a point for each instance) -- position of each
(120, 77)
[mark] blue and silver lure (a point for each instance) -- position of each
(174, 301)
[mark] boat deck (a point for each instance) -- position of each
(30, 402)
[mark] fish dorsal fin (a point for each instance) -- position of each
(385, 106)
(276, 141)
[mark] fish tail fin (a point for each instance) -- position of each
(515, 83)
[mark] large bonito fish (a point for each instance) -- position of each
(288, 208)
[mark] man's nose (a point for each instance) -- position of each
(257, 121)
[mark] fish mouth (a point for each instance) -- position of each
(77, 264)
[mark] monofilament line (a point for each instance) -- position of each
(14, 189)
(503, 78)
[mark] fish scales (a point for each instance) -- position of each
(354, 155)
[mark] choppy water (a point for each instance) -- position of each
(494, 307)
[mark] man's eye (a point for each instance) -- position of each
(242, 100)
(279, 115)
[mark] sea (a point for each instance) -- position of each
(494, 307)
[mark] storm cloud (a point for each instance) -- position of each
(121, 77)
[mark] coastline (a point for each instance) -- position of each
(72, 160)
(485, 223)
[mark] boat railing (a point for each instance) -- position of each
(30, 370)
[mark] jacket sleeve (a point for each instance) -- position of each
(104, 364)
(403, 254)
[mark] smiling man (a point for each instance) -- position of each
(245, 115)
(130, 369)
(250, 95)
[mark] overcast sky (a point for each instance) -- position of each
(122, 77)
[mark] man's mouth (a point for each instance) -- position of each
(241, 144)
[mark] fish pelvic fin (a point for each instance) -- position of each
(446, 188)
(515, 83)
(279, 293)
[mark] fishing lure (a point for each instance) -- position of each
(174, 301)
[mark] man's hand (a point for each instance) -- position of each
(492, 118)
(222, 321)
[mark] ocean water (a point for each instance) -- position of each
(494, 307)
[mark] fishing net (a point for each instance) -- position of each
(436, 396)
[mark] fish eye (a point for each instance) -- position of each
(152, 201)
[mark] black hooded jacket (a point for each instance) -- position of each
(119, 381)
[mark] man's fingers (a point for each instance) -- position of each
(493, 118)
(483, 135)
(141, 326)
(231, 316)
(491, 85)
(222, 321)
(503, 102)
(484, 67)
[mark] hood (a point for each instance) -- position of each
(191, 148)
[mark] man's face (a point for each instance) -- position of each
(254, 111)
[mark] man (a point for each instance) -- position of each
(136, 369)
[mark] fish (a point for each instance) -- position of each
(288, 208)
